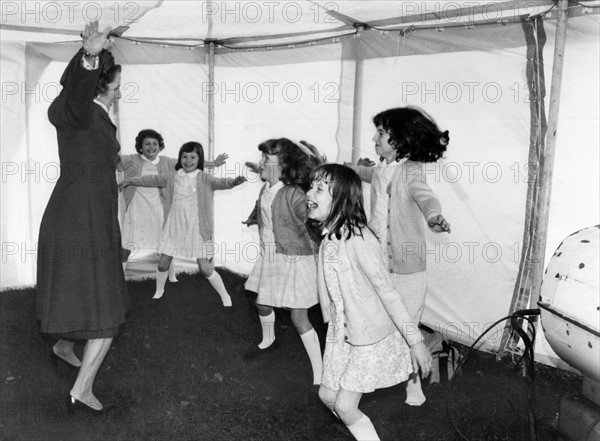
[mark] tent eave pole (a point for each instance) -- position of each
(211, 102)
(545, 173)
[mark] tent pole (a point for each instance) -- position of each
(535, 36)
(357, 107)
(211, 102)
(533, 261)
(547, 160)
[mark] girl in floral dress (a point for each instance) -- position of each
(372, 341)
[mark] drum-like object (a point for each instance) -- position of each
(570, 301)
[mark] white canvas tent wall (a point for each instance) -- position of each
(292, 69)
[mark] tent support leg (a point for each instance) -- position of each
(533, 261)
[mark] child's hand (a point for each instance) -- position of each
(220, 160)
(239, 180)
(421, 359)
(249, 222)
(439, 224)
(365, 162)
(123, 185)
(253, 166)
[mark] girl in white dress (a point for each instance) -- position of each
(188, 229)
(144, 215)
(371, 336)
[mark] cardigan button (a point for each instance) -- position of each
(346, 338)
(345, 325)
(389, 243)
(391, 270)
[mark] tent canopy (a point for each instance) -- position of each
(232, 74)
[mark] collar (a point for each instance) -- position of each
(384, 164)
(193, 174)
(101, 105)
(155, 161)
(274, 187)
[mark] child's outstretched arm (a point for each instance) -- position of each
(145, 181)
(224, 183)
(426, 200)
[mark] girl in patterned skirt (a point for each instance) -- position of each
(285, 276)
(189, 224)
(371, 336)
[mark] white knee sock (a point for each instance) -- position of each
(217, 283)
(310, 339)
(172, 273)
(363, 430)
(267, 323)
(161, 279)
(414, 392)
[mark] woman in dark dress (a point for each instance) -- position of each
(81, 291)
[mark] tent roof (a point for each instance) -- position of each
(253, 24)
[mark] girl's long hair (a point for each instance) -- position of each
(190, 147)
(347, 210)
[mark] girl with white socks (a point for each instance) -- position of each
(285, 276)
(371, 337)
(402, 203)
(189, 224)
(144, 207)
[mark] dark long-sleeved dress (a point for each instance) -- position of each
(81, 290)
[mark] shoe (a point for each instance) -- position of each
(55, 359)
(74, 404)
(125, 253)
(256, 352)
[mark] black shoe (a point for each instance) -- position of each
(55, 359)
(74, 404)
(256, 352)
(125, 253)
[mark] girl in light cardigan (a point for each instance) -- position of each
(371, 337)
(285, 276)
(144, 212)
(401, 200)
(188, 208)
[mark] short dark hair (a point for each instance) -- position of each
(148, 133)
(189, 147)
(106, 78)
(413, 134)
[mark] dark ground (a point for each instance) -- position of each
(176, 372)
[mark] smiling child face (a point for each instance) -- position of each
(319, 200)
(189, 161)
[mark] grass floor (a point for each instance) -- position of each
(176, 372)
